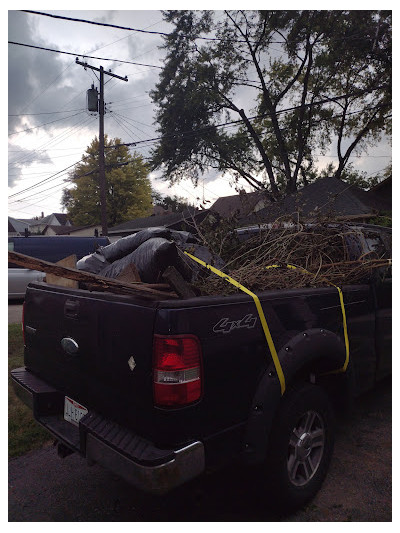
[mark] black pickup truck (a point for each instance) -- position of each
(161, 391)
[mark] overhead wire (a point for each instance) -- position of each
(58, 138)
(46, 113)
(38, 192)
(116, 26)
(77, 125)
(233, 123)
(133, 122)
(166, 34)
(42, 125)
(127, 130)
(85, 55)
(50, 178)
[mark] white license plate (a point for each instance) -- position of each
(73, 411)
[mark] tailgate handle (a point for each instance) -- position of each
(71, 309)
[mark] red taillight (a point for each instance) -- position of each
(23, 322)
(177, 370)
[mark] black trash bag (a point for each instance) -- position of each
(126, 245)
(151, 259)
(93, 263)
(183, 237)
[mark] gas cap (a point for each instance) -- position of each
(69, 345)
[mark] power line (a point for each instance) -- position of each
(132, 122)
(165, 34)
(46, 124)
(62, 136)
(124, 127)
(36, 193)
(46, 113)
(199, 131)
(45, 180)
(84, 55)
(44, 150)
(118, 27)
(71, 19)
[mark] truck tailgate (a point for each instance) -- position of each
(94, 348)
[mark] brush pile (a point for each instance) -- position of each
(323, 251)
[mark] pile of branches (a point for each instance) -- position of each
(318, 253)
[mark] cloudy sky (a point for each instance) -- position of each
(49, 126)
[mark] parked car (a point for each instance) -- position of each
(47, 248)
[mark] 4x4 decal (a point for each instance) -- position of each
(226, 326)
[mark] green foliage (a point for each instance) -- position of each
(128, 189)
(314, 78)
(384, 219)
(175, 203)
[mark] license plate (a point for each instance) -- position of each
(73, 411)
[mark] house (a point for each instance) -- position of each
(325, 198)
(16, 227)
(239, 205)
(383, 191)
(38, 225)
(77, 231)
(55, 219)
(184, 221)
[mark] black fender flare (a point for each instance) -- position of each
(316, 346)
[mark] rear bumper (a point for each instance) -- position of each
(103, 441)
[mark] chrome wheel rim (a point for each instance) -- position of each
(306, 448)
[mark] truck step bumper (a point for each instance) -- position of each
(103, 441)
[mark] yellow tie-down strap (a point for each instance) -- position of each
(263, 321)
(346, 337)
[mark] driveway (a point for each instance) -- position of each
(358, 488)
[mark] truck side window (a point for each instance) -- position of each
(376, 247)
(380, 248)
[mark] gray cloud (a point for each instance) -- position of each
(20, 158)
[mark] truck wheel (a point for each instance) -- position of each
(300, 448)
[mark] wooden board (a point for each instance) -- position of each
(144, 290)
(53, 279)
(177, 282)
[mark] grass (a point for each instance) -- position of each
(24, 433)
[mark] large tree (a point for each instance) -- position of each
(128, 188)
(314, 79)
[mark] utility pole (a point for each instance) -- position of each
(102, 174)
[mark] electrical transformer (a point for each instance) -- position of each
(92, 99)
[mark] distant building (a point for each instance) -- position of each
(38, 225)
(184, 221)
(16, 227)
(55, 219)
(325, 198)
(383, 191)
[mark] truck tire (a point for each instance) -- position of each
(300, 447)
